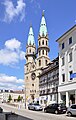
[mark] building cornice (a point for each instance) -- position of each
(66, 33)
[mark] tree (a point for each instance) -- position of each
(19, 98)
(9, 98)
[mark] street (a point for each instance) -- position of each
(35, 115)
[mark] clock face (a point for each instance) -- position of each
(33, 76)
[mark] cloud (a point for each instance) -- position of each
(11, 82)
(12, 53)
(12, 11)
(13, 44)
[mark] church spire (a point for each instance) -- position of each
(43, 28)
(31, 40)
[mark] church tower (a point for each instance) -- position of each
(43, 49)
(30, 49)
(30, 67)
(34, 65)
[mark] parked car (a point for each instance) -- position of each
(1, 110)
(71, 110)
(35, 106)
(55, 108)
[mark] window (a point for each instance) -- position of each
(70, 73)
(46, 52)
(73, 106)
(70, 57)
(43, 52)
(41, 101)
(30, 51)
(62, 61)
(43, 42)
(62, 45)
(39, 43)
(27, 68)
(50, 97)
(46, 43)
(70, 40)
(32, 84)
(39, 62)
(63, 77)
(46, 62)
(27, 77)
(39, 53)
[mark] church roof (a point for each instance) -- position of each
(43, 28)
(31, 40)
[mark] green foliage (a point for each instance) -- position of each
(9, 98)
(19, 98)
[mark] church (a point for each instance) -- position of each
(36, 60)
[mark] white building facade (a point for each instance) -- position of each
(67, 67)
(4, 96)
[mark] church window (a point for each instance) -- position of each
(43, 52)
(32, 84)
(30, 50)
(27, 77)
(46, 62)
(46, 52)
(39, 43)
(43, 42)
(46, 43)
(39, 62)
(27, 68)
(39, 53)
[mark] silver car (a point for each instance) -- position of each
(71, 110)
(35, 106)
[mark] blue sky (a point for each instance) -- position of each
(15, 19)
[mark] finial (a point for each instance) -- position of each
(30, 24)
(43, 12)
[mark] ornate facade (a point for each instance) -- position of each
(36, 59)
(48, 83)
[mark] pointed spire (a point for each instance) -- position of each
(43, 28)
(43, 12)
(31, 40)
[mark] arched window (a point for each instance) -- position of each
(39, 62)
(43, 52)
(30, 50)
(43, 42)
(39, 43)
(46, 62)
(46, 52)
(46, 43)
(39, 53)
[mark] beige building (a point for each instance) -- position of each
(48, 83)
(36, 59)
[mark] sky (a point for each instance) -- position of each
(15, 19)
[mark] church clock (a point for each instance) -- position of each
(33, 76)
